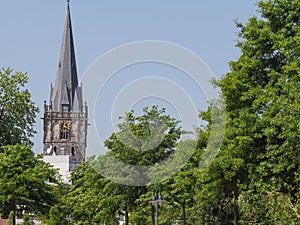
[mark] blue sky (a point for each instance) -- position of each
(31, 33)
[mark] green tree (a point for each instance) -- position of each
(178, 186)
(10, 218)
(259, 158)
(26, 219)
(85, 198)
(58, 212)
(142, 140)
(17, 110)
(24, 182)
(146, 139)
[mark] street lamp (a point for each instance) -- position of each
(68, 218)
(31, 218)
(155, 201)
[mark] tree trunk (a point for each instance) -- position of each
(184, 214)
(236, 209)
(126, 217)
(14, 217)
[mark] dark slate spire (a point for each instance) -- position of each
(66, 81)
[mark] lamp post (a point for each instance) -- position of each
(155, 201)
(68, 218)
(31, 218)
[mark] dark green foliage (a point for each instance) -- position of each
(26, 220)
(142, 140)
(146, 139)
(24, 182)
(257, 168)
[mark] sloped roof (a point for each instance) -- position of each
(66, 74)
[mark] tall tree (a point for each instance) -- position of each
(142, 141)
(85, 200)
(260, 155)
(276, 106)
(25, 182)
(17, 110)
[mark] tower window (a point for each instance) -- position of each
(64, 135)
(65, 108)
(72, 151)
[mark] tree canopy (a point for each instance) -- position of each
(258, 165)
(17, 110)
(142, 140)
(25, 182)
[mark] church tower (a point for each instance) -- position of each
(66, 115)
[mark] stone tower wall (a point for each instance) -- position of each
(74, 142)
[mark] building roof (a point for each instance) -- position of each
(3, 221)
(66, 82)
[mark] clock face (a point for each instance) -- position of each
(65, 126)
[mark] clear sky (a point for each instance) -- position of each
(31, 33)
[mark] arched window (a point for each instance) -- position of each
(64, 134)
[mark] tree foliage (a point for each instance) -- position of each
(259, 161)
(17, 110)
(142, 140)
(24, 182)
(146, 139)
